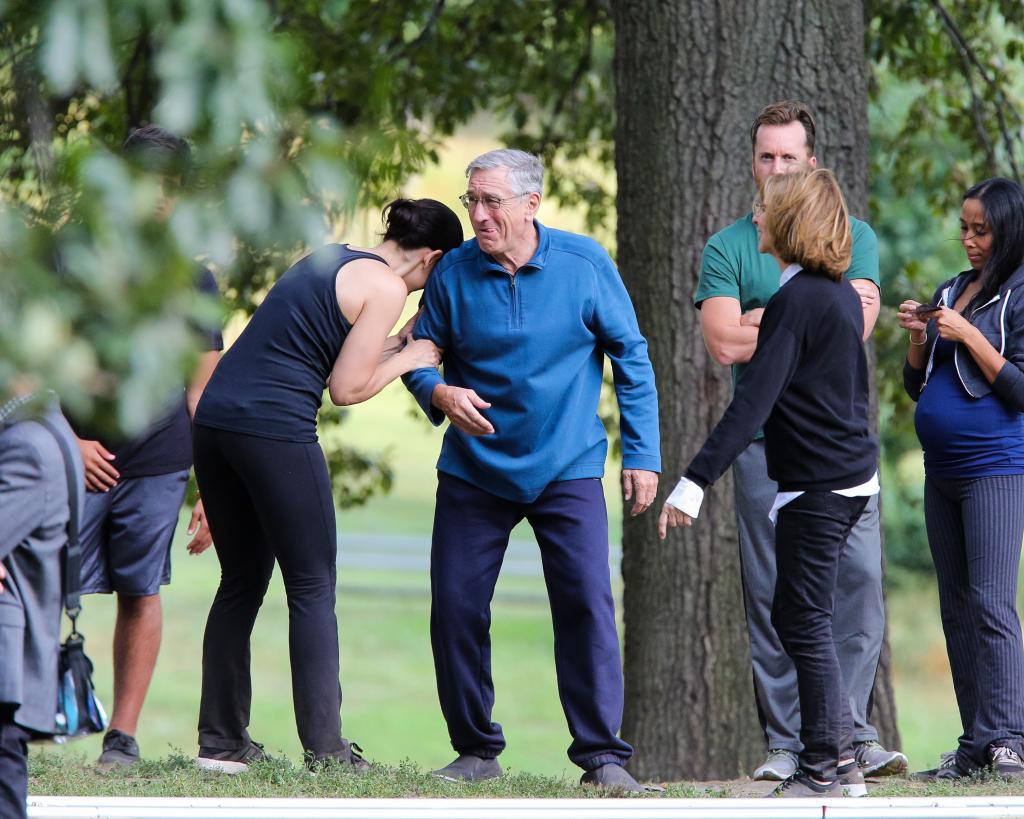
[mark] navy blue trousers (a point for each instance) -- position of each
(974, 532)
(471, 532)
(809, 538)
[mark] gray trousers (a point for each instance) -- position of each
(859, 614)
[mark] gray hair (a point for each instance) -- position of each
(525, 173)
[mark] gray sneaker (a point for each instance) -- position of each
(469, 768)
(801, 786)
(874, 760)
(611, 777)
(778, 767)
(852, 780)
(119, 751)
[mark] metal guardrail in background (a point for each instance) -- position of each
(977, 807)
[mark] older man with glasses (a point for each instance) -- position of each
(525, 316)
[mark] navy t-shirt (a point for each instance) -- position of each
(271, 382)
(167, 445)
(965, 437)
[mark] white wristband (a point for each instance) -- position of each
(686, 497)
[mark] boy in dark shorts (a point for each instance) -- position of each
(135, 491)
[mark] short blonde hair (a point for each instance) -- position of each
(806, 221)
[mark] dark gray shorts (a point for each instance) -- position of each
(127, 532)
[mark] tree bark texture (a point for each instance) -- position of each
(690, 77)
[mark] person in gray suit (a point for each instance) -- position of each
(34, 516)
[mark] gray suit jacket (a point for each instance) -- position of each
(33, 521)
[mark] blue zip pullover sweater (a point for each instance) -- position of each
(533, 345)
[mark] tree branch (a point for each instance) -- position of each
(969, 57)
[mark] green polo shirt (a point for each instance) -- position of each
(731, 266)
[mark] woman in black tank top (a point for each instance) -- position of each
(264, 480)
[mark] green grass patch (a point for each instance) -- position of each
(176, 775)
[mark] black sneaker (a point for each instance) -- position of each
(950, 769)
(1005, 762)
(611, 777)
(852, 780)
(119, 751)
(349, 758)
(469, 768)
(232, 761)
(801, 786)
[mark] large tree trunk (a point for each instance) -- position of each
(690, 76)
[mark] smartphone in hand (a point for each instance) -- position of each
(926, 310)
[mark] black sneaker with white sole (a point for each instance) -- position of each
(230, 761)
(801, 786)
(951, 768)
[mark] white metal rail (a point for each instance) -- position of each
(67, 807)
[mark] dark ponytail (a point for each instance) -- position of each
(415, 223)
(1003, 201)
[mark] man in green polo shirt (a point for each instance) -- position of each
(735, 284)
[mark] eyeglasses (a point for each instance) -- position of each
(469, 201)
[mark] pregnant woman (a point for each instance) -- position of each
(264, 480)
(964, 369)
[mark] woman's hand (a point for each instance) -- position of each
(952, 326)
(670, 518)
(198, 526)
(908, 321)
(422, 353)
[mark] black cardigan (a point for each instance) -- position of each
(807, 386)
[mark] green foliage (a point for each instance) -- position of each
(947, 98)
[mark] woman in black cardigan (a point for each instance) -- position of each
(807, 386)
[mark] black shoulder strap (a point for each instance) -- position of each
(72, 551)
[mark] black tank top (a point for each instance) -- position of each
(271, 381)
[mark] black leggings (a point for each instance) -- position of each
(268, 500)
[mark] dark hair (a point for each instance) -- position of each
(783, 113)
(1003, 201)
(415, 223)
(156, 150)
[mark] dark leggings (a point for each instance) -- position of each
(269, 500)
(974, 532)
(810, 536)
